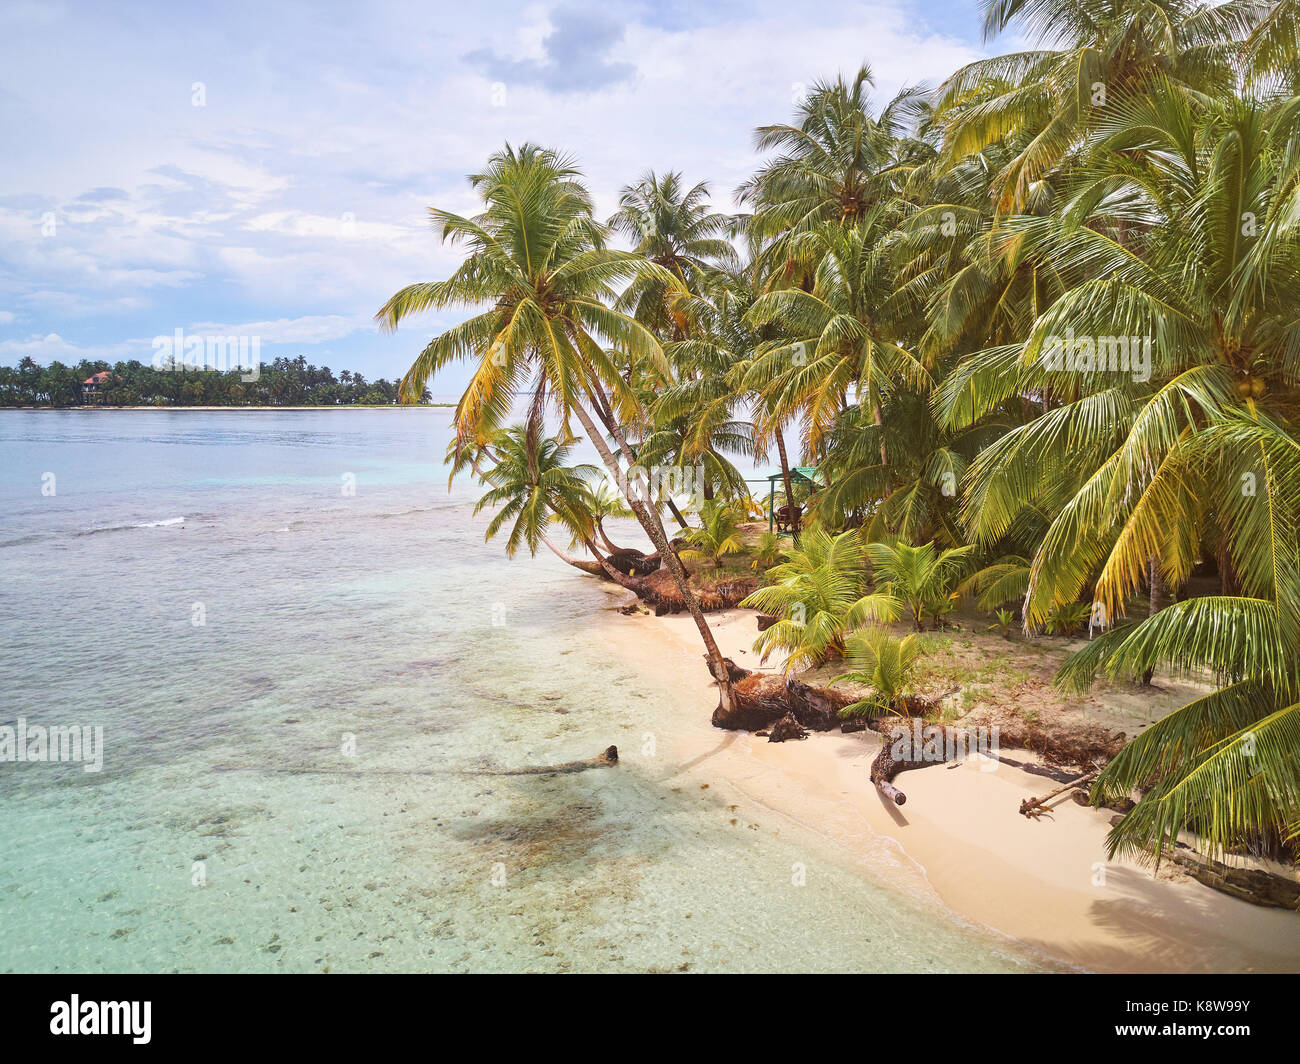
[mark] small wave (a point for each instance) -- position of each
(162, 524)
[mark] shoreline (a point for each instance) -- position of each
(1043, 883)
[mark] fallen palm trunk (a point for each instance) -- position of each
(897, 754)
(628, 561)
(914, 745)
(607, 758)
(660, 591)
(1254, 885)
(1081, 746)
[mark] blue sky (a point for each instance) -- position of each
(265, 168)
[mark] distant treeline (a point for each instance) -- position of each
(283, 382)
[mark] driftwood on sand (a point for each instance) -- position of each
(1036, 807)
(605, 759)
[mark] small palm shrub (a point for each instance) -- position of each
(819, 593)
(884, 663)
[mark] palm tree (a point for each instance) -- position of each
(531, 486)
(673, 227)
(921, 578)
(537, 258)
(718, 534)
(1273, 48)
(819, 594)
(884, 663)
(837, 161)
(1095, 55)
(604, 501)
(1227, 765)
(1214, 309)
(836, 338)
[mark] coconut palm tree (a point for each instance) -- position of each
(1212, 309)
(674, 227)
(537, 259)
(819, 593)
(1094, 55)
(605, 502)
(886, 664)
(531, 488)
(1226, 766)
(837, 336)
(921, 578)
(837, 161)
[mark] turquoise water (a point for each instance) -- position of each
(302, 782)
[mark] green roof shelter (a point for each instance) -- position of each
(799, 474)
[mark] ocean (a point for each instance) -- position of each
(311, 673)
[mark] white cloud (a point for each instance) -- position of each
(312, 329)
(296, 198)
(53, 347)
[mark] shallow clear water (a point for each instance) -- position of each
(304, 781)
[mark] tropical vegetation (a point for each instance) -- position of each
(1037, 327)
(281, 382)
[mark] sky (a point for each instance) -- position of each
(265, 169)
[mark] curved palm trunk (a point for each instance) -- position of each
(604, 538)
(631, 583)
(654, 529)
(677, 516)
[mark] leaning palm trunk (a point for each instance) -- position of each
(596, 568)
(785, 467)
(677, 515)
(604, 538)
(649, 520)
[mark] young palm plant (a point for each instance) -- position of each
(819, 595)
(718, 534)
(920, 578)
(881, 661)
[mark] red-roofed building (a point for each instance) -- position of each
(91, 385)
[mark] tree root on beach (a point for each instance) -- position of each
(660, 592)
(761, 699)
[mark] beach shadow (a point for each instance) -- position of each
(895, 813)
(1166, 932)
(728, 740)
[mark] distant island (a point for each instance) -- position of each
(285, 382)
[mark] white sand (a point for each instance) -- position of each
(1044, 882)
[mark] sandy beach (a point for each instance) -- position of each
(1046, 883)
